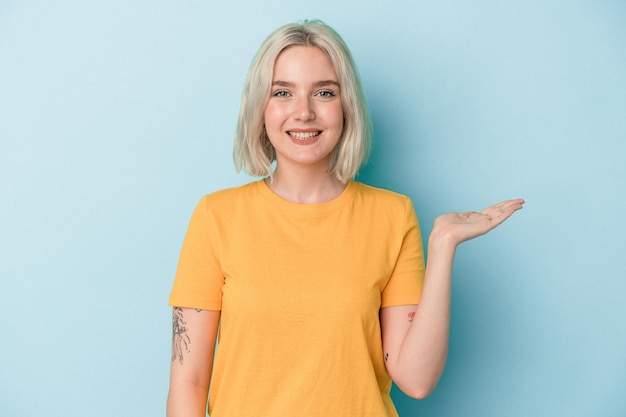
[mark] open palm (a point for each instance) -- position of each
(460, 227)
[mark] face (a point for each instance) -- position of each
(304, 115)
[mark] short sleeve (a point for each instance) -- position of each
(405, 285)
(199, 279)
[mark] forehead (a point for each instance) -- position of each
(303, 61)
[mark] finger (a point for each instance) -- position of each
(498, 213)
(505, 206)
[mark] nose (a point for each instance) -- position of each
(304, 108)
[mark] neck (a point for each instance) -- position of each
(304, 186)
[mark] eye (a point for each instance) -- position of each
(326, 93)
(280, 93)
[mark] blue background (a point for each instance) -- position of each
(116, 116)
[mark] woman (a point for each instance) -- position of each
(312, 279)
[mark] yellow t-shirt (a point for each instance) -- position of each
(300, 287)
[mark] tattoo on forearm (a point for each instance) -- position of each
(180, 338)
(386, 356)
(411, 316)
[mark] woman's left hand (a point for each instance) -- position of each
(456, 228)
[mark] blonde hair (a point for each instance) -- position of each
(253, 152)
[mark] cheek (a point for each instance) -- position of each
(338, 117)
(272, 116)
(273, 123)
(267, 115)
(332, 116)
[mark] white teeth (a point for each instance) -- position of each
(303, 135)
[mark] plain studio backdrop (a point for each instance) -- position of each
(117, 116)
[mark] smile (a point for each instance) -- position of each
(304, 135)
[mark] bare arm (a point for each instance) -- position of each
(194, 333)
(415, 338)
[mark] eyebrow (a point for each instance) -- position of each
(323, 83)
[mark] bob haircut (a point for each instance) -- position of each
(253, 153)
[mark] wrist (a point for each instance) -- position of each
(441, 240)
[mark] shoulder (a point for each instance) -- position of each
(228, 199)
(381, 197)
(231, 194)
(390, 212)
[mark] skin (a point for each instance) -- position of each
(193, 346)
(415, 337)
(305, 100)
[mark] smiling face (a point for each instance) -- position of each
(304, 114)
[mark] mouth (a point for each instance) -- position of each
(309, 135)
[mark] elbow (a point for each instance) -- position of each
(417, 388)
(418, 392)
(417, 382)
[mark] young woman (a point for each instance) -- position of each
(315, 283)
